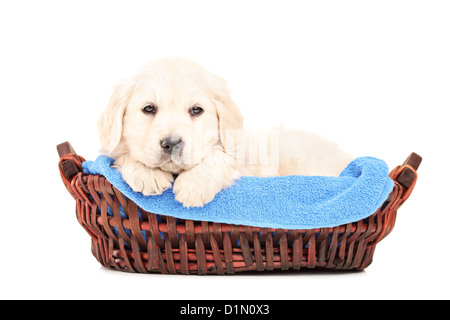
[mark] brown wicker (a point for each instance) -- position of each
(202, 247)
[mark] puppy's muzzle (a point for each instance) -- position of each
(172, 144)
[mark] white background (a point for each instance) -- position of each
(372, 75)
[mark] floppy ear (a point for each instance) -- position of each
(110, 123)
(230, 120)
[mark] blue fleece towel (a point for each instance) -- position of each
(288, 202)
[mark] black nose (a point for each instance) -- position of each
(168, 144)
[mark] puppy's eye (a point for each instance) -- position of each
(149, 109)
(196, 111)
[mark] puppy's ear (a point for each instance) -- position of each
(110, 123)
(230, 120)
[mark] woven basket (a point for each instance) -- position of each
(156, 243)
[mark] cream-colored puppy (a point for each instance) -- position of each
(175, 117)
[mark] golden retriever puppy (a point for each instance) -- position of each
(173, 117)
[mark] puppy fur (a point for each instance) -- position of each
(215, 150)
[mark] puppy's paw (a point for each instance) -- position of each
(194, 189)
(147, 180)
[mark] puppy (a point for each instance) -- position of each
(173, 117)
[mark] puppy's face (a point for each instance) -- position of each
(171, 120)
(170, 115)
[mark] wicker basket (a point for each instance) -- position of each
(155, 243)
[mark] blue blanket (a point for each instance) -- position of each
(288, 202)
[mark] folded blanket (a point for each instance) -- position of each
(288, 202)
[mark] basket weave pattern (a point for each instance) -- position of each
(145, 242)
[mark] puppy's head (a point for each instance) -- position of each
(171, 114)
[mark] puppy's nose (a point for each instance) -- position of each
(168, 144)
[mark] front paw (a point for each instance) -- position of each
(193, 190)
(148, 181)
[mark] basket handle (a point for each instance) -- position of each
(409, 173)
(64, 149)
(70, 162)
